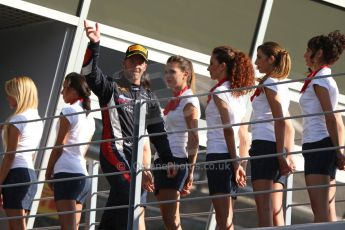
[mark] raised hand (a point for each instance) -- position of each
(92, 33)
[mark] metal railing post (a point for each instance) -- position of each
(288, 201)
(211, 223)
(92, 202)
(137, 157)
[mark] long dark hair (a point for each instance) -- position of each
(78, 83)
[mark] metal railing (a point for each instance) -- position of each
(135, 189)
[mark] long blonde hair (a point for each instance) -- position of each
(24, 91)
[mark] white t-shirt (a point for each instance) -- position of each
(236, 108)
(314, 127)
(175, 121)
(29, 138)
(262, 111)
(82, 128)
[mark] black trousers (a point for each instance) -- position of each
(115, 219)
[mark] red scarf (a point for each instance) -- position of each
(259, 90)
(214, 87)
(311, 75)
(173, 103)
(78, 99)
(257, 93)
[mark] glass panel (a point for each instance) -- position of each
(195, 24)
(293, 23)
(20, 57)
(67, 6)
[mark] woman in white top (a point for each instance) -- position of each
(67, 162)
(321, 95)
(18, 167)
(232, 69)
(271, 101)
(180, 114)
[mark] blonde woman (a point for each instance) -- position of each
(18, 167)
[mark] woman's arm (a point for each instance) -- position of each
(341, 133)
(56, 152)
(191, 118)
(12, 142)
(244, 144)
(332, 122)
(341, 130)
(289, 142)
(147, 179)
(230, 139)
(279, 127)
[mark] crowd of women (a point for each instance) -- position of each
(233, 72)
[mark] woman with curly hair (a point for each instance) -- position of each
(321, 95)
(231, 69)
(271, 101)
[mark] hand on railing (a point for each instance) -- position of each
(147, 181)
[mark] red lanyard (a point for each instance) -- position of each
(214, 87)
(173, 103)
(311, 75)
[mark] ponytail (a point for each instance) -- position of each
(191, 78)
(282, 63)
(86, 105)
(239, 68)
(78, 83)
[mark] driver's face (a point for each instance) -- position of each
(134, 67)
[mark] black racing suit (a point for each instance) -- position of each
(115, 156)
